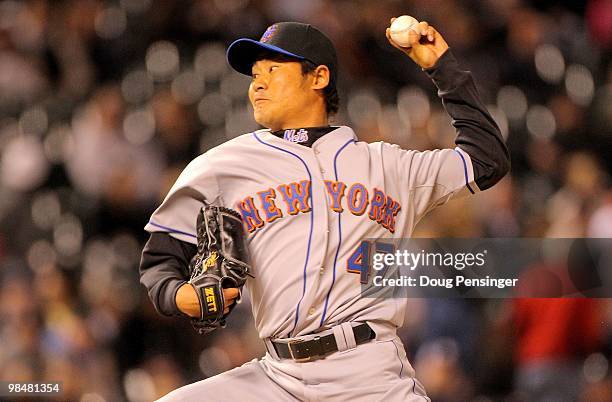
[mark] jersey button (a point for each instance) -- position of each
(323, 171)
(311, 311)
(321, 270)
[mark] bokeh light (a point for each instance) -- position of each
(234, 86)
(413, 104)
(541, 122)
(162, 60)
(139, 126)
(209, 61)
(58, 143)
(137, 86)
(23, 165)
(579, 84)
(139, 386)
(41, 255)
(188, 87)
(595, 367)
(68, 235)
(111, 23)
(34, 121)
(46, 209)
(363, 107)
(549, 63)
(513, 102)
(212, 109)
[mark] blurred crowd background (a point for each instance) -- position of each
(103, 103)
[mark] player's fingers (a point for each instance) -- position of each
(388, 35)
(422, 28)
(230, 293)
(392, 19)
(226, 310)
(431, 33)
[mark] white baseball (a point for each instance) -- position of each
(400, 29)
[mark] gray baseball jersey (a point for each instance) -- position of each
(306, 211)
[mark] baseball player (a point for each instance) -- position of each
(308, 194)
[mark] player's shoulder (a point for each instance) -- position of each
(390, 152)
(376, 147)
(381, 146)
(384, 146)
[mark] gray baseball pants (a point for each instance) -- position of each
(374, 371)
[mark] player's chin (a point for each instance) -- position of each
(261, 118)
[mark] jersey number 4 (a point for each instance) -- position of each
(360, 262)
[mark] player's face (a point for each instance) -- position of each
(282, 97)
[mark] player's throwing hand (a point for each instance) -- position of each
(426, 45)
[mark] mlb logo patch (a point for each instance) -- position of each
(269, 33)
(298, 136)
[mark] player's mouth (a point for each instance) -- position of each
(259, 101)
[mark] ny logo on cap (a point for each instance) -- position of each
(269, 33)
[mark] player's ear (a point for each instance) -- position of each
(321, 77)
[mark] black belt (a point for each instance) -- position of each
(319, 346)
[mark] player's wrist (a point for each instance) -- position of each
(446, 58)
(446, 73)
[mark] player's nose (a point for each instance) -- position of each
(259, 83)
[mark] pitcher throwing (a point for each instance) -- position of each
(308, 194)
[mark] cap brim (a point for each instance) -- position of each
(241, 54)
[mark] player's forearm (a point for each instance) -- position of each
(163, 269)
(477, 132)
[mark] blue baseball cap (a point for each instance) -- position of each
(290, 39)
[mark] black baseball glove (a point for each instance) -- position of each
(221, 262)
